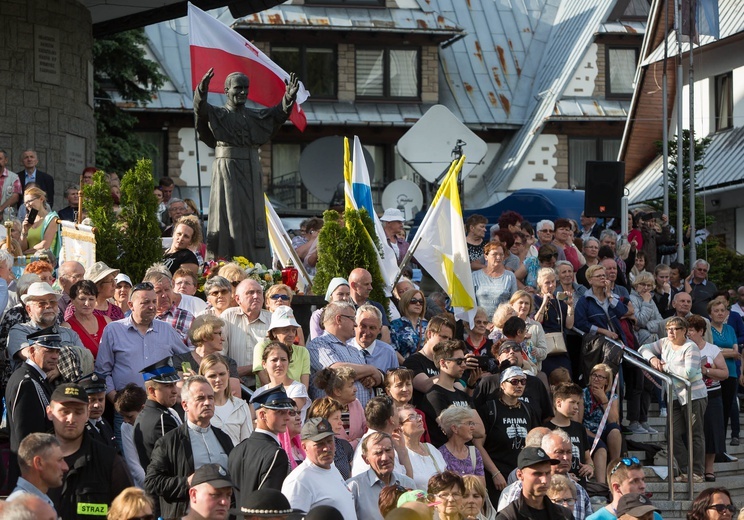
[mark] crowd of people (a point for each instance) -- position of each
(163, 398)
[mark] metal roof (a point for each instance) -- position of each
(355, 18)
(585, 107)
(723, 159)
(731, 22)
(622, 27)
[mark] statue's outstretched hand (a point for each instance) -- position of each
(204, 83)
(293, 85)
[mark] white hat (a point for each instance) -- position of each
(393, 215)
(333, 285)
(39, 290)
(98, 271)
(121, 277)
(283, 317)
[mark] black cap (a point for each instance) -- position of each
(273, 398)
(161, 372)
(70, 393)
(324, 513)
(530, 456)
(316, 429)
(264, 502)
(213, 474)
(48, 338)
(634, 504)
(93, 383)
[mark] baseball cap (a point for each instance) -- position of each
(70, 393)
(316, 429)
(634, 504)
(121, 277)
(213, 474)
(530, 456)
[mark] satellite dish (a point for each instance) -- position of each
(427, 147)
(322, 166)
(403, 195)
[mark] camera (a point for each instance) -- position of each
(561, 296)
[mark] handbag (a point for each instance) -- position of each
(556, 343)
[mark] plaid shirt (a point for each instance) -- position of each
(179, 319)
(581, 509)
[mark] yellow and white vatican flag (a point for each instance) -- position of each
(441, 248)
(281, 244)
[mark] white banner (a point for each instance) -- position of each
(78, 244)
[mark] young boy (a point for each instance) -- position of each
(567, 398)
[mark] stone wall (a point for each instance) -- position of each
(46, 87)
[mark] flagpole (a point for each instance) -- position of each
(680, 138)
(665, 112)
(691, 80)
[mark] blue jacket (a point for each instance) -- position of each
(590, 315)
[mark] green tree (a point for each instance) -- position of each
(99, 206)
(121, 70)
(140, 242)
(343, 248)
(700, 147)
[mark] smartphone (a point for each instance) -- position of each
(186, 367)
(32, 215)
(483, 361)
(561, 296)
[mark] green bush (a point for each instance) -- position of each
(99, 205)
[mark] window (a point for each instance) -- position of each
(387, 73)
(620, 68)
(315, 66)
(582, 150)
(724, 101)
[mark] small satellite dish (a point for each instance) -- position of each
(403, 195)
(428, 145)
(322, 166)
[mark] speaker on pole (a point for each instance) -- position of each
(605, 182)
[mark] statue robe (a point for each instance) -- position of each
(237, 215)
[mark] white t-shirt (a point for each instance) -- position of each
(192, 304)
(309, 486)
(424, 466)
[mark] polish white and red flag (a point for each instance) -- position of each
(215, 45)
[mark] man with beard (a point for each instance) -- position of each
(187, 448)
(97, 473)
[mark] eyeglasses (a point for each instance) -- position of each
(294, 413)
(598, 377)
(416, 301)
(517, 382)
(282, 297)
(599, 276)
(469, 424)
(673, 329)
(29, 201)
(143, 286)
(411, 418)
(722, 508)
(545, 231)
(626, 461)
(482, 322)
(458, 360)
(449, 496)
(568, 502)
(45, 303)
(214, 294)
(352, 318)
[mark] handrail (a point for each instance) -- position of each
(639, 361)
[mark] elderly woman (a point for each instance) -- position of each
(231, 414)
(591, 252)
(283, 328)
(556, 317)
(187, 236)
(600, 310)
(408, 331)
(42, 232)
(493, 284)
(476, 337)
(463, 459)
(714, 371)
(103, 276)
(330, 409)
(219, 295)
(562, 491)
(527, 273)
(649, 322)
(475, 502)
(679, 356)
(338, 290)
(597, 398)
(449, 488)
(44, 269)
(426, 460)
(535, 343)
(475, 229)
(566, 282)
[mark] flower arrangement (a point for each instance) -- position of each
(259, 272)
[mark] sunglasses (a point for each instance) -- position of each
(721, 508)
(626, 461)
(143, 286)
(458, 360)
(282, 297)
(515, 348)
(415, 301)
(517, 382)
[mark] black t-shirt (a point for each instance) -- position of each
(176, 259)
(506, 430)
(538, 514)
(435, 402)
(420, 364)
(535, 395)
(579, 440)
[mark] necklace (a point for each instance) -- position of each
(511, 406)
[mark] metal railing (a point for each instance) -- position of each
(639, 361)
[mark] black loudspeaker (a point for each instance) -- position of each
(605, 182)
